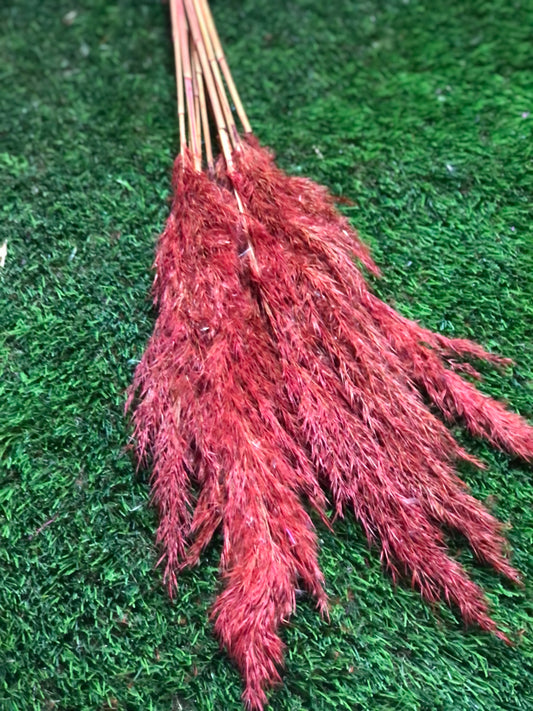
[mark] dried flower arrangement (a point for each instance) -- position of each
(274, 376)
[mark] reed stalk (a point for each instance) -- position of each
(179, 75)
(220, 119)
(221, 58)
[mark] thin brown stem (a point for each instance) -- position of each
(181, 19)
(221, 58)
(203, 113)
(209, 82)
(196, 93)
(179, 75)
(217, 76)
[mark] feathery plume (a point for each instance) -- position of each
(207, 412)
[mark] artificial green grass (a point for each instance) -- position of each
(419, 112)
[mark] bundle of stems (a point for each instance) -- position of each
(275, 376)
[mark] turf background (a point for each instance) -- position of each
(419, 111)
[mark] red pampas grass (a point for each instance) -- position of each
(274, 375)
(302, 211)
(374, 442)
(208, 395)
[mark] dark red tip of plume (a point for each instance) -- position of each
(426, 355)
